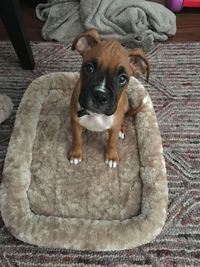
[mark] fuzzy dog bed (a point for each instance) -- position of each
(46, 201)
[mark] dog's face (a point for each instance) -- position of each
(106, 70)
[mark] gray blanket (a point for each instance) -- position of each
(136, 23)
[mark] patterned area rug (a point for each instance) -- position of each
(174, 87)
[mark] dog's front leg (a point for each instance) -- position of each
(112, 156)
(76, 152)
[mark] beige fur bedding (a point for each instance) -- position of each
(46, 201)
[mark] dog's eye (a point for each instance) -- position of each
(122, 79)
(89, 68)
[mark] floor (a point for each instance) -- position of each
(188, 25)
(178, 245)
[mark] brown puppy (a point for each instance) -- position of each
(99, 100)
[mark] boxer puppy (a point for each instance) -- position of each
(99, 100)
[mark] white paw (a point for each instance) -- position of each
(112, 164)
(145, 99)
(121, 135)
(75, 161)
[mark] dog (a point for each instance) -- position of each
(99, 100)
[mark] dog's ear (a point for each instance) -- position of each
(139, 62)
(86, 40)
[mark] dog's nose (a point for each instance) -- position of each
(100, 96)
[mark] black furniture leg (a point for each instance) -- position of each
(10, 13)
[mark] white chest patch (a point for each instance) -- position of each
(96, 122)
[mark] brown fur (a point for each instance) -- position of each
(110, 55)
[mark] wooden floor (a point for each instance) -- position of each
(188, 26)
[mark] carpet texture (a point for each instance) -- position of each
(174, 87)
